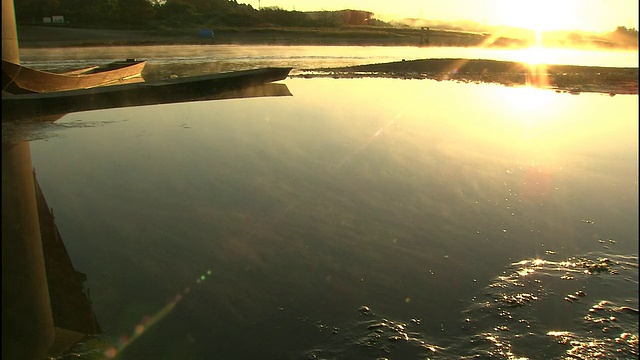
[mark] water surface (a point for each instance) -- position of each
(212, 58)
(361, 218)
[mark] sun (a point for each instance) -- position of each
(541, 15)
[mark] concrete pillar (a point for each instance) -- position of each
(27, 320)
(10, 49)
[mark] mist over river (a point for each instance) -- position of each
(205, 59)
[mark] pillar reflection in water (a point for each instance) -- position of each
(45, 309)
(27, 321)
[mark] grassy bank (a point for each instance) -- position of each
(65, 36)
(52, 36)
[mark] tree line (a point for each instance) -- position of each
(177, 13)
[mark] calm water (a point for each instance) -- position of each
(233, 57)
(355, 219)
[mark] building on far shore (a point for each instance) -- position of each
(55, 19)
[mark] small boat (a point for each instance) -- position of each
(193, 88)
(19, 79)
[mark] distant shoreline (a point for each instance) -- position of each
(573, 79)
(55, 37)
(32, 36)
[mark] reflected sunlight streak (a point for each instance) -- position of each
(490, 40)
(527, 100)
(537, 58)
(149, 321)
(140, 329)
(369, 141)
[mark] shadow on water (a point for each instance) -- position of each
(28, 120)
(30, 106)
(46, 308)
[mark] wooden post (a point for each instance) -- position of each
(10, 50)
(424, 36)
(27, 320)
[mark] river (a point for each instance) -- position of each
(351, 219)
(236, 57)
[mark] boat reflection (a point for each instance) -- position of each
(34, 106)
(32, 121)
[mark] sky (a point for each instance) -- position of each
(585, 15)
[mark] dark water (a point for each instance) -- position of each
(356, 219)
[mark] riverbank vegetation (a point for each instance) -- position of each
(233, 22)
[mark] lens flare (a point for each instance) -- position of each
(149, 321)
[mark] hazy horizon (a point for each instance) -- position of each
(544, 15)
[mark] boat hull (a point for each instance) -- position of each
(195, 88)
(18, 79)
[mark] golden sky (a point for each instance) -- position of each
(586, 15)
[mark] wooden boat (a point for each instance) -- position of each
(193, 88)
(18, 79)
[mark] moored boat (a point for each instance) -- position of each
(18, 78)
(193, 88)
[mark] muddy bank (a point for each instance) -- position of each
(566, 78)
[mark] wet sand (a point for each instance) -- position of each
(562, 78)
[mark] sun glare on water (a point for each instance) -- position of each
(537, 54)
(527, 100)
